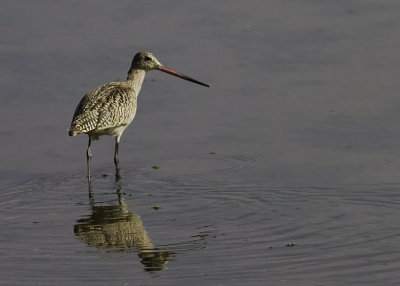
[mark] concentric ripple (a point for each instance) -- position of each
(196, 165)
(180, 216)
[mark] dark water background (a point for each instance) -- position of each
(284, 172)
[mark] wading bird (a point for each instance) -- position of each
(110, 108)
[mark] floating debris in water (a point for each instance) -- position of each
(104, 175)
(155, 167)
(212, 153)
(291, 244)
(156, 207)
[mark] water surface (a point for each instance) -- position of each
(284, 172)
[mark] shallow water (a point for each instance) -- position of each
(157, 228)
(284, 172)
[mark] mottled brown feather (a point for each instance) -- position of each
(109, 106)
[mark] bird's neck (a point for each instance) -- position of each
(135, 79)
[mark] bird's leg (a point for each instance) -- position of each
(90, 188)
(116, 159)
(88, 158)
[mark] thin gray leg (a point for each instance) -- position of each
(116, 159)
(88, 158)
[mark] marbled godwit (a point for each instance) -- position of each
(110, 108)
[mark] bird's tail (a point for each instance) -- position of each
(71, 132)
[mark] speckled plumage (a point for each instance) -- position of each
(110, 108)
(107, 110)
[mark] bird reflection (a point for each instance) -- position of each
(114, 228)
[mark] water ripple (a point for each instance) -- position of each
(325, 232)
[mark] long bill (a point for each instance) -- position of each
(170, 71)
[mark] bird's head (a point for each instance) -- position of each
(147, 61)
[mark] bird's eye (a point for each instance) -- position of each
(147, 58)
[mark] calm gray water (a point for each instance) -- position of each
(284, 172)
